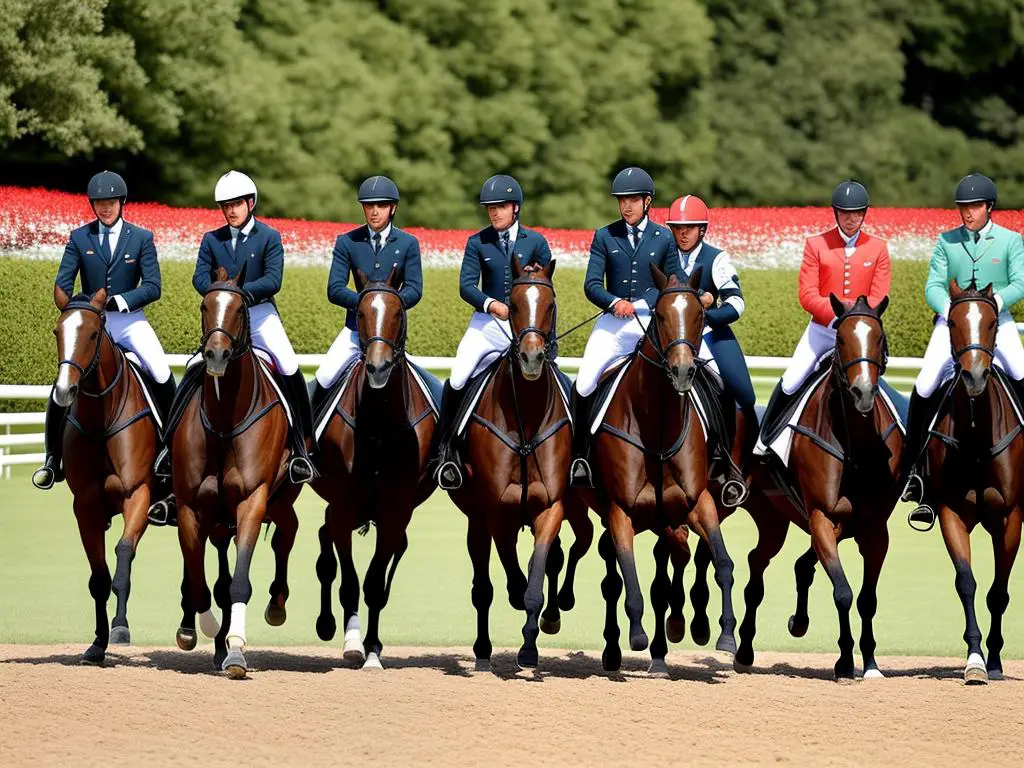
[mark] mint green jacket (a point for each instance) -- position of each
(997, 258)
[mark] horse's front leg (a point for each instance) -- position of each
(958, 543)
(826, 545)
(186, 637)
(703, 518)
(134, 510)
(803, 571)
(90, 514)
(248, 517)
(545, 528)
(873, 543)
(679, 553)
(771, 535)
(1005, 543)
(620, 526)
(391, 545)
(578, 515)
(660, 586)
(286, 525)
(551, 619)
(700, 626)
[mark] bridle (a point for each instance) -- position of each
(549, 335)
(653, 335)
(94, 361)
(964, 299)
(397, 344)
(241, 343)
(879, 363)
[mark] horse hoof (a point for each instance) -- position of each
(527, 658)
(120, 636)
(611, 660)
(995, 674)
(726, 644)
(550, 627)
(482, 665)
(798, 628)
(234, 664)
(700, 630)
(353, 651)
(93, 656)
(975, 672)
(372, 661)
(638, 641)
(873, 673)
(326, 627)
(743, 660)
(675, 629)
(843, 671)
(275, 615)
(658, 669)
(566, 601)
(186, 638)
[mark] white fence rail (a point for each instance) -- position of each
(764, 370)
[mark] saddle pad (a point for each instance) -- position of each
(476, 388)
(323, 415)
(277, 388)
(135, 366)
(429, 385)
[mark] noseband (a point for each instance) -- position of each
(550, 339)
(981, 298)
(239, 344)
(397, 345)
(652, 334)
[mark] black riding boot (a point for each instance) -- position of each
(774, 419)
(300, 467)
(580, 474)
(919, 418)
(164, 395)
(52, 470)
(189, 383)
(449, 471)
(734, 488)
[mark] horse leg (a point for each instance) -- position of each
(551, 619)
(621, 528)
(186, 637)
(1005, 549)
(704, 520)
(803, 569)
(958, 544)
(135, 510)
(823, 539)
(771, 535)
(391, 543)
(348, 588)
(700, 626)
(326, 570)
(89, 513)
(192, 540)
(583, 529)
(611, 588)
(505, 543)
(659, 602)
(545, 529)
(248, 517)
(873, 543)
(222, 598)
(679, 552)
(286, 526)
(478, 542)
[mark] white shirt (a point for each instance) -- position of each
(383, 234)
(113, 235)
(513, 233)
(983, 232)
(640, 225)
(245, 230)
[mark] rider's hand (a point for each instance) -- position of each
(706, 299)
(623, 308)
(498, 309)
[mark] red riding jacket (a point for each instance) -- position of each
(826, 270)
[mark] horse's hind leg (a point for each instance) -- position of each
(286, 526)
(1005, 548)
(611, 588)
(958, 544)
(803, 569)
(700, 626)
(545, 528)
(679, 552)
(704, 520)
(135, 511)
(391, 543)
(192, 540)
(771, 535)
(186, 637)
(222, 597)
(578, 515)
(551, 619)
(326, 571)
(659, 602)
(515, 580)
(823, 538)
(348, 587)
(89, 513)
(873, 543)
(478, 542)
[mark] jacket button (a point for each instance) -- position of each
(377, 265)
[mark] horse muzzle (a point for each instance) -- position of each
(216, 359)
(682, 377)
(65, 389)
(378, 372)
(976, 379)
(863, 393)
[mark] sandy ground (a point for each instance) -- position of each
(304, 706)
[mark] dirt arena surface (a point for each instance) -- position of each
(304, 706)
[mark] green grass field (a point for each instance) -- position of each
(44, 572)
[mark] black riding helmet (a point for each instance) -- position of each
(107, 185)
(379, 189)
(975, 188)
(634, 181)
(850, 196)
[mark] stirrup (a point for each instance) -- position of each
(580, 475)
(734, 492)
(162, 465)
(300, 470)
(922, 518)
(449, 476)
(44, 478)
(164, 512)
(914, 489)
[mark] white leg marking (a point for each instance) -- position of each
(373, 662)
(353, 646)
(873, 674)
(209, 624)
(236, 631)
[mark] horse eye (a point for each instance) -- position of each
(515, 310)
(94, 335)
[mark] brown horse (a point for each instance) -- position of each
(518, 446)
(375, 454)
(974, 467)
(652, 460)
(843, 480)
(110, 445)
(230, 456)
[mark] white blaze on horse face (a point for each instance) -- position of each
(72, 328)
(379, 309)
(862, 330)
(221, 302)
(679, 305)
(974, 323)
(532, 298)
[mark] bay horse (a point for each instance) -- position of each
(110, 441)
(375, 454)
(230, 456)
(518, 446)
(974, 461)
(842, 479)
(652, 460)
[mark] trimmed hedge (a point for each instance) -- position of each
(771, 325)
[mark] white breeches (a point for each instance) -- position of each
(937, 365)
(132, 332)
(613, 337)
(816, 342)
(343, 350)
(485, 339)
(268, 333)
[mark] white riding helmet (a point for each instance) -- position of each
(234, 185)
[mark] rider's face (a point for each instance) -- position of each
(236, 211)
(107, 210)
(501, 215)
(973, 215)
(378, 214)
(850, 221)
(631, 208)
(687, 235)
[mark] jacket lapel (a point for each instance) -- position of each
(122, 242)
(622, 238)
(94, 238)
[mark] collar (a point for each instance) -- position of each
(983, 232)
(690, 258)
(384, 233)
(245, 230)
(114, 229)
(641, 225)
(513, 232)
(851, 241)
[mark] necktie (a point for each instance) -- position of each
(977, 236)
(635, 233)
(376, 243)
(105, 244)
(505, 241)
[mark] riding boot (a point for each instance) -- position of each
(773, 421)
(580, 474)
(449, 471)
(735, 489)
(919, 418)
(183, 392)
(300, 467)
(52, 470)
(317, 396)
(164, 395)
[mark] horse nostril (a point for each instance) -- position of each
(524, 357)
(209, 354)
(371, 368)
(540, 355)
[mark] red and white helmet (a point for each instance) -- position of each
(688, 209)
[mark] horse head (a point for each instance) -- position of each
(79, 333)
(860, 348)
(225, 322)
(676, 326)
(380, 318)
(973, 320)
(532, 316)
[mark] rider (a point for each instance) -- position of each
(245, 241)
(485, 282)
(374, 249)
(113, 254)
(978, 253)
(618, 281)
(845, 261)
(688, 220)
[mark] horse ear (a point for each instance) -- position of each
(517, 268)
(99, 299)
(955, 291)
(660, 281)
(220, 275)
(239, 279)
(837, 306)
(361, 280)
(987, 290)
(396, 277)
(60, 298)
(881, 306)
(549, 270)
(695, 277)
